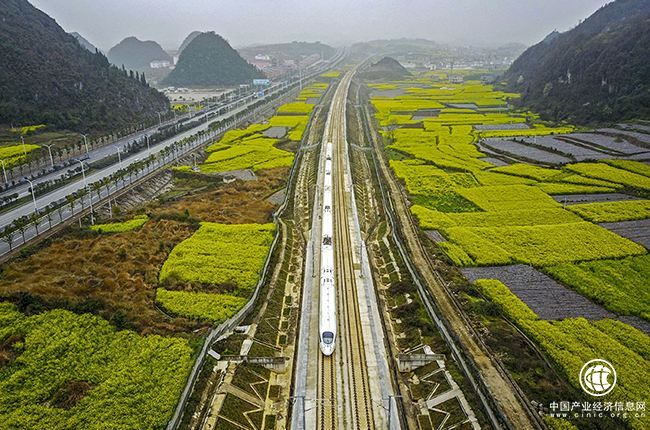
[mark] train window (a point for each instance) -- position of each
(328, 337)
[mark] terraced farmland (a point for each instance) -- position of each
(524, 200)
(254, 148)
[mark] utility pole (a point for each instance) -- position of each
(86, 143)
(391, 397)
(31, 186)
(49, 149)
(119, 156)
(22, 139)
(90, 194)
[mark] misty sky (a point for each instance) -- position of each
(245, 22)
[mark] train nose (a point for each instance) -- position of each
(327, 349)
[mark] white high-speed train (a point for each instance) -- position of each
(327, 321)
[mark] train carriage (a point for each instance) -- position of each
(327, 311)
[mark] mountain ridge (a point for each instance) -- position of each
(137, 54)
(47, 77)
(209, 60)
(597, 72)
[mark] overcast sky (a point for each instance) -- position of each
(245, 22)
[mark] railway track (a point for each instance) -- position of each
(503, 401)
(351, 352)
(327, 403)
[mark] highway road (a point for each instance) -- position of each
(97, 154)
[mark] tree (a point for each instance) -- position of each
(97, 187)
(71, 201)
(8, 235)
(21, 225)
(34, 219)
(106, 182)
(60, 211)
(48, 215)
(82, 193)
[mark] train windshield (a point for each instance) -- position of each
(328, 337)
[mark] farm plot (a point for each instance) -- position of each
(14, 155)
(514, 126)
(505, 216)
(210, 307)
(609, 173)
(275, 132)
(216, 270)
(220, 254)
(610, 143)
(565, 342)
(78, 371)
(121, 227)
(578, 152)
(631, 166)
(572, 199)
(637, 231)
(524, 152)
(541, 245)
(546, 297)
(641, 137)
(619, 285)
(254, 152)
(495, 161)
(613, 211)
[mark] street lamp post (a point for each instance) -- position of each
(90, 195)
(31, 186)
(49, 149)
(119, 156)
(86, 143)
(159, 118)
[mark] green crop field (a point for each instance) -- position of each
(632, 166)
(16, 154)
(609, 173)
(296, 108)
(78, 371)
(121, 227)
(249, 148)
(564, 341)
(613, 211)
(619, 285)
(210, 307)
(222, 261)
(220, 254)
(497, 216)
(254, 152)
(23, 131)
